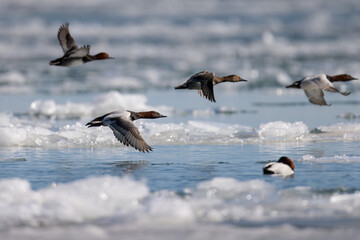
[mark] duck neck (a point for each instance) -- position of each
(337, 78)
(138, 115)
(99, 56)
(229, 78)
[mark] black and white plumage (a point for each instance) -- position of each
(121, 123)
(284, 167)
(204, 83)
(313, 86)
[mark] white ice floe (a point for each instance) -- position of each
(283, 130)
(330, 159)
(124, 201)
(100, 105)
(16, 131)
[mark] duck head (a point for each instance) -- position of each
(102, 55)
(287, 161)
(341, 78)
(234, 78)
(149, 114)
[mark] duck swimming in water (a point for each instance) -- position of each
(121, 123)
(73, 55)
(204, 82)
(284, 167)
(314, 85)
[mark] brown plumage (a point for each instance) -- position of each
(204, 82)
(341, 78)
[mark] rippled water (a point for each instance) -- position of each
(204, 178)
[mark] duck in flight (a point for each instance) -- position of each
(314, 86)
(73, 55)
(121, 123)
(204, 83)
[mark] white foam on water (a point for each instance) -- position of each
(86, 205)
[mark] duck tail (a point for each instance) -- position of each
(183, 86)
(54, 62)
(97, 122)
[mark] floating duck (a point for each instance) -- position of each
(284, 166)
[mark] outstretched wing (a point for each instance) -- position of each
(198, 74)
(80, 52)
(333, 89)
(67, 43)
(128, 134)
(316, 96)
(207, 89)
(194, 82)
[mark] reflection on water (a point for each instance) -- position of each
(129, 166)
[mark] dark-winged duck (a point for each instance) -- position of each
(121, 123)
(204, 82)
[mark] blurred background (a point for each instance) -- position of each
(158, 44)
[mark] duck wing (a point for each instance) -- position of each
(194, 81)
(67, 43)
(207, 89)
(80, 52)
(128, 134)
(333, 89)
(206, 80)
(198, 74)
(316, 96)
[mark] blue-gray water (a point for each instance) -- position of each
(178, 167)
(204, 178)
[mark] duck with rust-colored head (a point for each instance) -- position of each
(284, 167)
(121, 123)
(313, 86)
(204, 83)
(73, 55)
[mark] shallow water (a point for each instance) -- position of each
(204, 178)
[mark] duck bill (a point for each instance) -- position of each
(243, 80)
(163, 116)
(354, 78)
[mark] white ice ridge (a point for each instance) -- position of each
(101, 104)
(25, 132)
(330, 159)
(125, 200)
